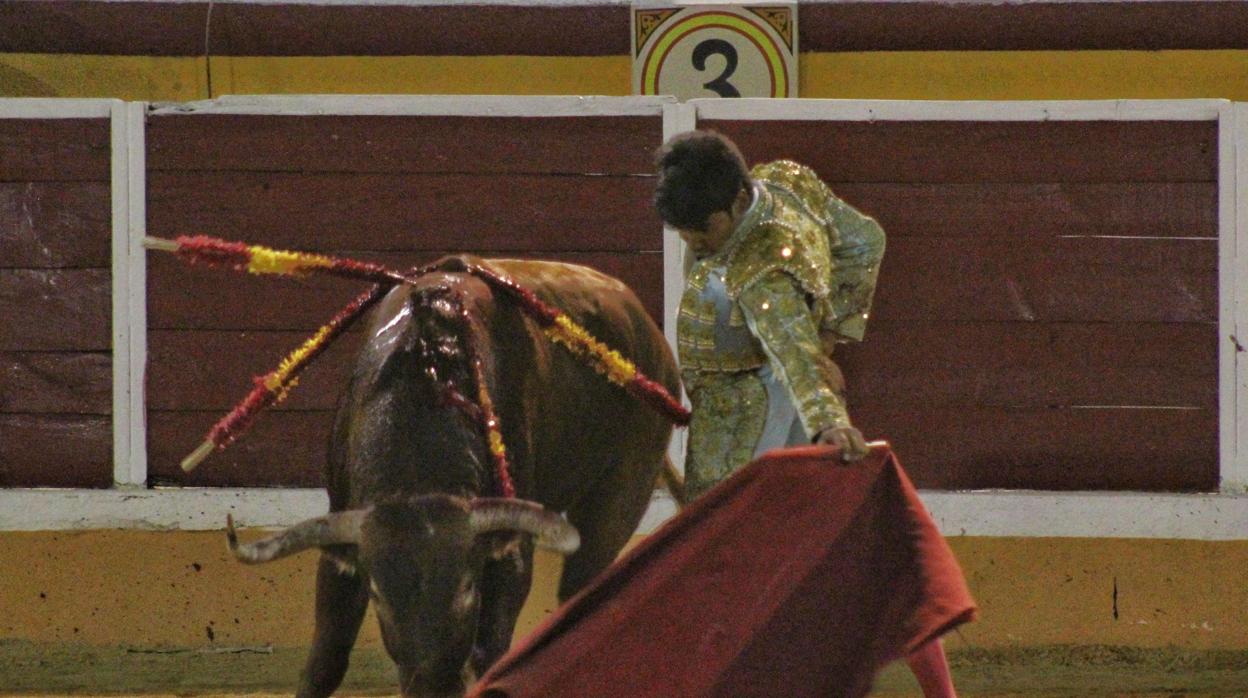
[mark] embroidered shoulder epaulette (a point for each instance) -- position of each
(782, 233)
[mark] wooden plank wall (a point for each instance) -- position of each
(1046, 315)
(55, 303)
(398, 190)
(1046, 312)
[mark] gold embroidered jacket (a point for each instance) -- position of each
(800, 264)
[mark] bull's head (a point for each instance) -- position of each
(422, 560)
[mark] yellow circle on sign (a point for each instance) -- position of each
(674, 42)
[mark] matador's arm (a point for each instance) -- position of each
(775, 310)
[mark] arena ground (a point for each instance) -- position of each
(30, 669)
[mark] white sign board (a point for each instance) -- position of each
(697, 51)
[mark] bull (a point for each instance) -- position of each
(411, 524)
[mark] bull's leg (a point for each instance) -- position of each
(340, 604)
(606, 518)
(505, 584)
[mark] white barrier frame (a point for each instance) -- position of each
(115, 111)
(1218, 516)
(129, 504)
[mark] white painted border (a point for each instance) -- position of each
(1236, 476)
(677, 118)
(136, 270)
(429, 105)
(918, 110)
(115, 111)
(996, 513)
(1022, 514)
(55, 108)
(120, 272)
(185, 509)
(1032, 514)
(193, 508)
(1027, 514)
(1230, 471)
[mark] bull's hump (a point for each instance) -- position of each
(565, 276)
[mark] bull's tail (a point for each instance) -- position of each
(674, 482)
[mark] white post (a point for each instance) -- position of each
(120, 189)
(136, 270)
(677, 118)
(1232, 284)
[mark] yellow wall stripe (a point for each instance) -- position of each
(867, 75)
(139, 78)
(1026, 75)
(186, 78)
(520, 75)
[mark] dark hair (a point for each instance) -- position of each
(700, 172)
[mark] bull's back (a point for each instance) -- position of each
(583, 426)
(565, 425)
(604, 305)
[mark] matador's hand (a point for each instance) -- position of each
(848, 439)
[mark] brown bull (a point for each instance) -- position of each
(409, 474)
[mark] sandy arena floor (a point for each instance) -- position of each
(28, 669)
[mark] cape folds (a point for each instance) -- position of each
(797, 576)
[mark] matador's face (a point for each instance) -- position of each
(720, 226)
(704, 243)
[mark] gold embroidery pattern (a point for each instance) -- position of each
(805, 230)
(800, 263)
(783, 239)
(729, 413)
(696, 326)
(777, 313)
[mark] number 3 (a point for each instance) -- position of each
(711, 47)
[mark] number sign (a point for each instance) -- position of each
(692, 51)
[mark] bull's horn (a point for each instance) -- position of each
(332, 529)
(551, 529)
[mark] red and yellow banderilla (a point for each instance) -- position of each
(273, 387)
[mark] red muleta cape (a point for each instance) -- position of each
(797, 576)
